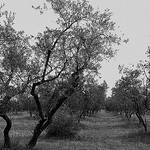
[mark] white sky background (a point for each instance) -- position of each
(132, 17)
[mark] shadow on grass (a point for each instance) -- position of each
(137, 133)
(126, 125)
(28, 118)
(137, 137)
(15, 145)
(73, 136)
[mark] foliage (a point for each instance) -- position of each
(128, 96)
(69, 53)
(144, 67)
(16, 59)
(127, 91)
(16, 73)
(57, 65)
(63, 126)
(86, 101)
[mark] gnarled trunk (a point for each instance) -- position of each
(37, 131)
(7, 142)
(43, 123)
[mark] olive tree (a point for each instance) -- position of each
(87, 101)
(144, 67)
(83, 39)
(16, 70)
(128, 94)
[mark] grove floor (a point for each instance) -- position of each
(103, 131)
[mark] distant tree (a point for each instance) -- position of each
(87, 101)
(27, 103)
(96, 95)
(144, 67)
(128, 96)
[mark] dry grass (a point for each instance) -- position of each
(104, 131)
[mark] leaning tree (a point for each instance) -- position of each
(83, 39)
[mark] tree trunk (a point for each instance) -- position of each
(43, 124)
(141, 121)
(138, 114)
(45, 121)
(30, 112)
(7, 142)
(36, 134)
(81, 114)
(33, 140)
(128, 117)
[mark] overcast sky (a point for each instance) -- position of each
(132, 17)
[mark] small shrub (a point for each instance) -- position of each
(63, 126)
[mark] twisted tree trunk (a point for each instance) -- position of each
(3, 114)
(43, 123)
(37, 131)
(7, 142)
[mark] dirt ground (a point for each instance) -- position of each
(104, 131)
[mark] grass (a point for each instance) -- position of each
(105, 131)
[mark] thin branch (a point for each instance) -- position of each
(47, 60)
(9, 78)
(36, 98)
(146, 99)
(56, 41)
(20, 77)
(48, 80)
(146, 74)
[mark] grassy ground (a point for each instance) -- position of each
(105, 131)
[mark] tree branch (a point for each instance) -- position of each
(49, 51)
(48, 80)
(9, 78)
(36, 98)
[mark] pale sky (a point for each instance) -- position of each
(132, 17)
